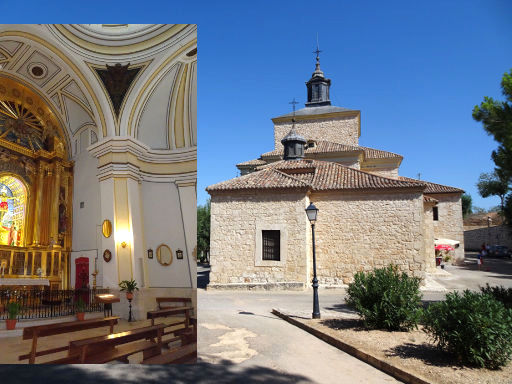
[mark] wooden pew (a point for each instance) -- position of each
(186, 354)
(38, 331)
(118, 346)
(184, 301)
(171, 311)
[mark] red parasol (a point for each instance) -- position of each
(444, 247)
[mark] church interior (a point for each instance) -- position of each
(97, 166)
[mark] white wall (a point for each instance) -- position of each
(86, 189)
(163, 224)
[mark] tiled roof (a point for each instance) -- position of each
(263, 179)
(252, 162)
(433, 187)
(314, 175)
(330, 147)
(371, 153)
(429, 199)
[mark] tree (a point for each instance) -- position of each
(496, 117)
(466, 205)
(203, 229)
(490, 184)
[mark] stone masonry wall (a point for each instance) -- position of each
(428, 237)
(475, 236)
(359, 232)
(344, 130)
(450, 224)
(237, 220)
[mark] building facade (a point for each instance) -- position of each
(369, 216)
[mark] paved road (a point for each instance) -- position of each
(467, 276)
(237, 327)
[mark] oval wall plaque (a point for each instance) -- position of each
(107, 255)
(107, 228)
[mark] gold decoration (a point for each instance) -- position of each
(107, 228)
(164, 255)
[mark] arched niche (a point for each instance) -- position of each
(13, 210)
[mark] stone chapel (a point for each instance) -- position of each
(369, 216)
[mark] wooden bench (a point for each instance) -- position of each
(181, 355)
(38, 331)
(171, 311)
(184, 301)
(118, 346)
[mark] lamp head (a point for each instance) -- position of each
(312, 212)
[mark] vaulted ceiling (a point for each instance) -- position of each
(109, 80)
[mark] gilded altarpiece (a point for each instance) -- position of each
(36, 183)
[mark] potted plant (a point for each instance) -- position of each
(80, 309)
(13, 309)
(129, 286)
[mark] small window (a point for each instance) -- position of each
(435, 211)
(271, 245)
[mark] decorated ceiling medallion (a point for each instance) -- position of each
(37, 70)
(117, 80)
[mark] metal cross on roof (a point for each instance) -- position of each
(293, 103)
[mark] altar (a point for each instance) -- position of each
(21, 282)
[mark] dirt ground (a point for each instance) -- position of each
(411, 351)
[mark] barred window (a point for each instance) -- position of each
(271, 245)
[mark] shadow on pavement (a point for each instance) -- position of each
(225, 372)
(501, 267)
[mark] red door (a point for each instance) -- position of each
(81, 273)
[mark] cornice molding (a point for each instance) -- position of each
(354, 113)
(127, 144)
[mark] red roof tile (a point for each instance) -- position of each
(433, 187)
(314, 175)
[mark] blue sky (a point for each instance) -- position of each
(414, 69)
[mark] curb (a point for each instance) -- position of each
(376, 362)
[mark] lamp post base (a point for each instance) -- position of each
(316, 304)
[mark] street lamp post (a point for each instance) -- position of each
(489, 229)
(312, 212)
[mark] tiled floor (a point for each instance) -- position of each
(12, 347)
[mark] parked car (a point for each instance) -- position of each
(499, 251)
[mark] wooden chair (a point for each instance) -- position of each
(38, 331)
(118, 346)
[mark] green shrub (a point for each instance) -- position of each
(386, 299)
(500, 293)
(474, 327)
